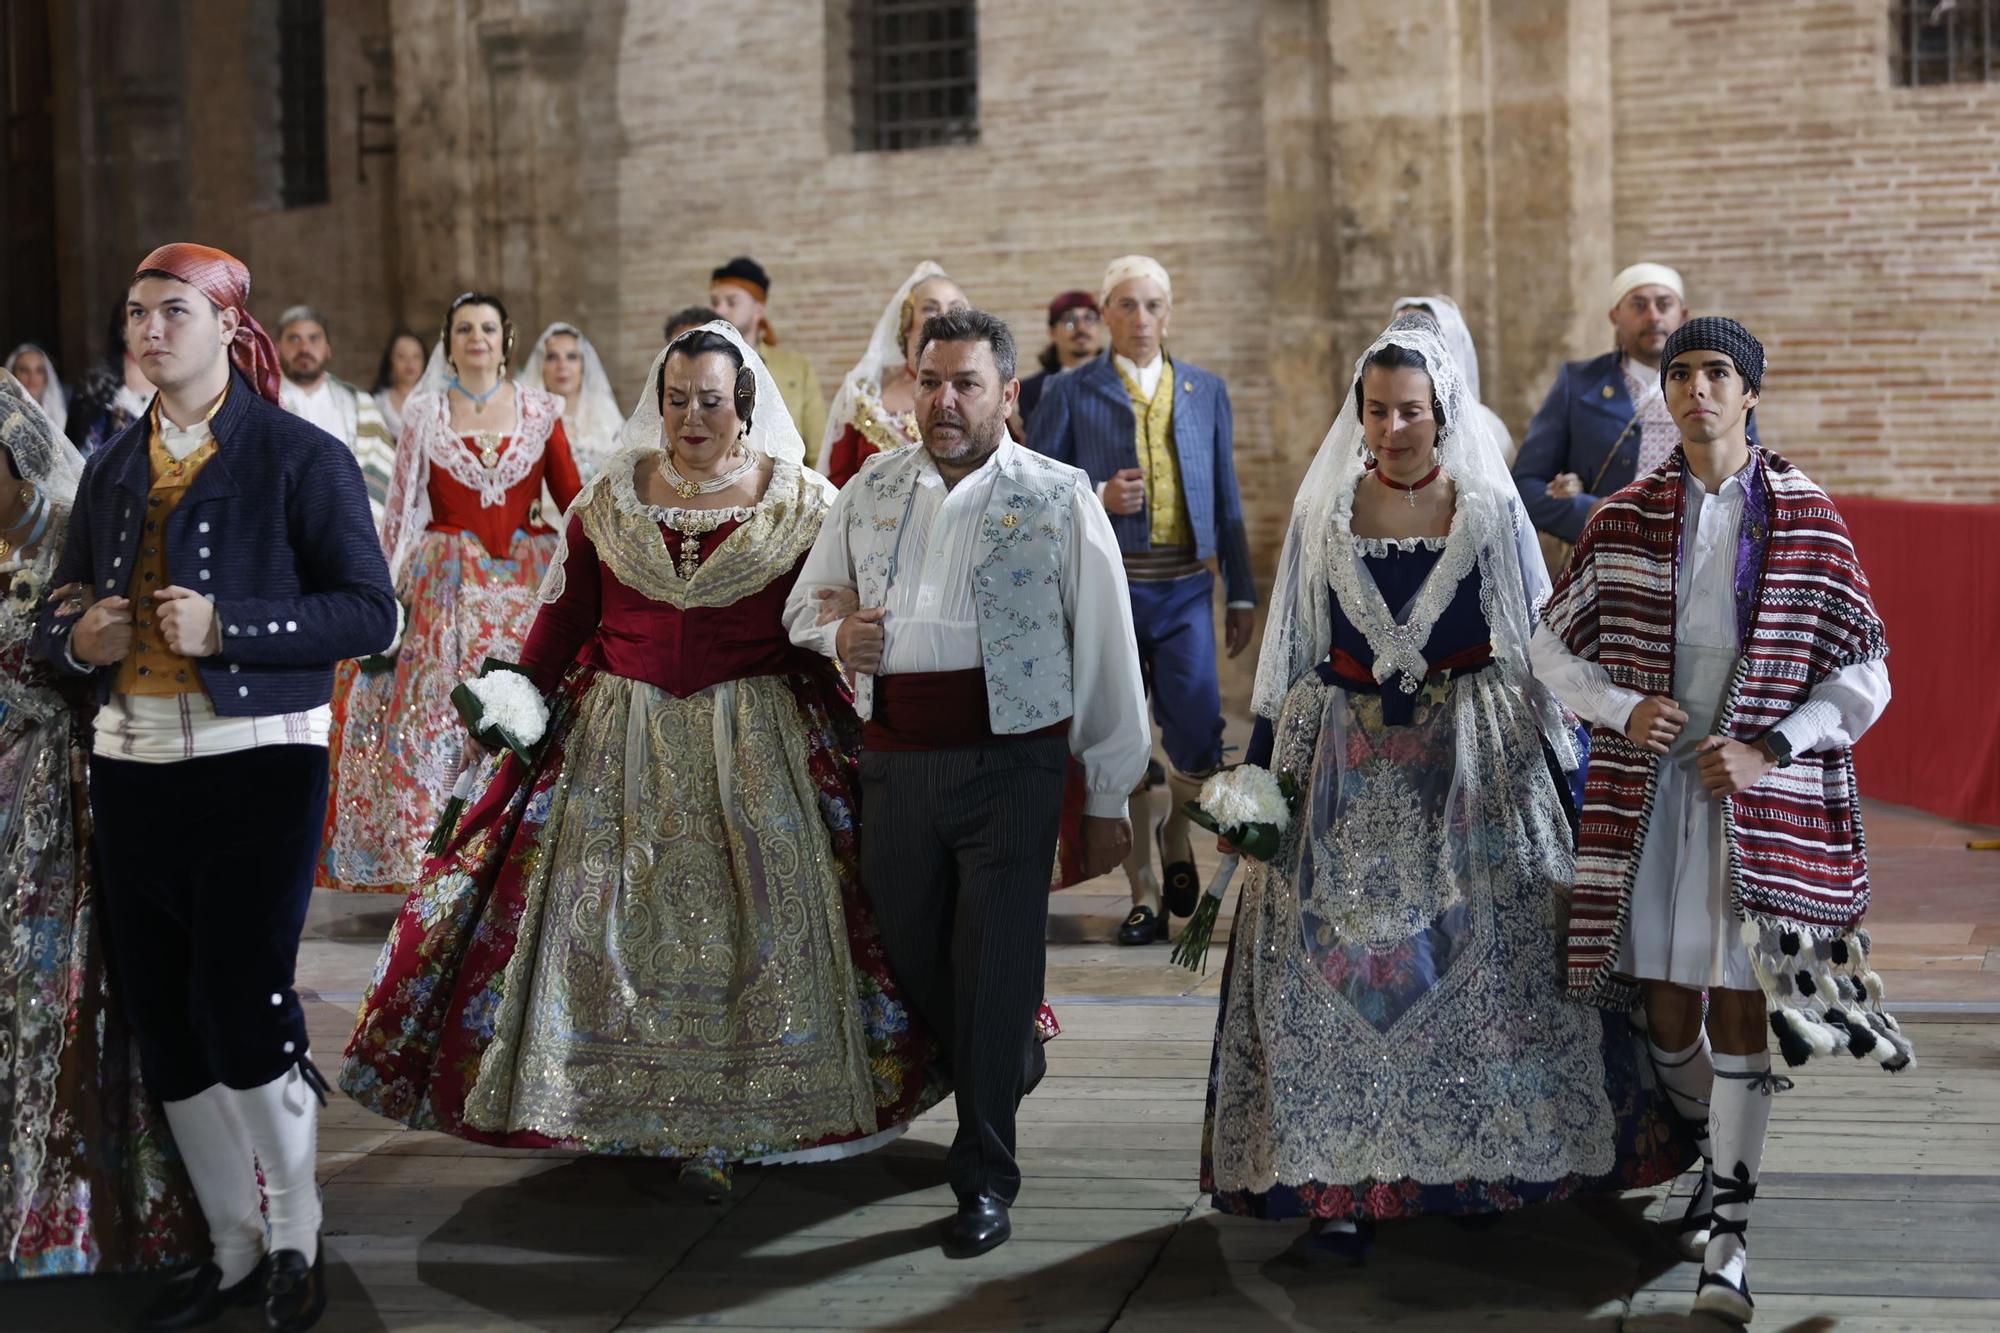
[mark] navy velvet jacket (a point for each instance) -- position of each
(275, 530)
(1085, 419)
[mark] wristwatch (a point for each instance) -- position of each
(1774, 744)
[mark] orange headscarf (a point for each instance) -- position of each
(222, 278)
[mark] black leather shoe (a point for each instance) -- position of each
(1179, 884)
(196, 1296)
(1324, 1247)
(1142, 927)
(980, 1225)
(296, 1294)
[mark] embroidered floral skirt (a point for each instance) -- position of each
(653, 942)
(1394, 1037)
(91, 1182)
(397, 739)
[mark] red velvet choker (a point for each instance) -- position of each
(1410, 491)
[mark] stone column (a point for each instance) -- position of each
(1462, 130)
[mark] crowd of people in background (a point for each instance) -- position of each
(831, 696)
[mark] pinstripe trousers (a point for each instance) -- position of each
(956, 847)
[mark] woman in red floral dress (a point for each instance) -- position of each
(467, 545)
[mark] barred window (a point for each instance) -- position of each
(1945, 41)
(916, 73)
(302, 102)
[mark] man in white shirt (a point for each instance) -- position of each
(1716, 630)
(992, 642)
(340, 409)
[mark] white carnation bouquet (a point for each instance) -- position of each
(502, 708)
(1251, 807)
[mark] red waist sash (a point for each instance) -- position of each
(937, 710)
(1351, 674)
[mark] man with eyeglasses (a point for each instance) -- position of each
(1073, 326)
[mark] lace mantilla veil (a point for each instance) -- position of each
(772, 433)
(593, 419)
(41, 453)
(54, 402)
(1298, 630)
(885, 353)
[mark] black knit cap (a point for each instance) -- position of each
(1715, 333)
(747, 271)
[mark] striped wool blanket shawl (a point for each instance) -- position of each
(1797, 859)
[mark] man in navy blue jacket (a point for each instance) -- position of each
(1156, 437)
(224, 558)
(1604, 422)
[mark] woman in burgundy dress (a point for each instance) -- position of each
(652, 940)
(467, 545)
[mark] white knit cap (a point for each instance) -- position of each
(1127, 267)
(1646, 275)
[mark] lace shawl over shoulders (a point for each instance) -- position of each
(774, 534)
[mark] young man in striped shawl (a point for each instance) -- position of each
(1714, 627)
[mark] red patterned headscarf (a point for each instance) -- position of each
(222, 278)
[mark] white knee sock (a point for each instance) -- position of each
(1175, 837)
(1739, 1119)
(1139, 875)
(1687, 1077)
(216, 1151)
(282, 1118)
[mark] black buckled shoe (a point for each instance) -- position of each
(1179, 884)
(196, 1296)
(1144, 926)
(295, 1296)
(981, 1224)
(1325, 1246)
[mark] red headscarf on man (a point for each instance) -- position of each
(222, 278)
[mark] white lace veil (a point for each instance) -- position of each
(592, 421)
(41, 453)
(773, 433)
(1457, 336)
(1458, 340)
(54, 403)
(1298, 630)
(885, 353)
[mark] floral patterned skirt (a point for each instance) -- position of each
(1394, 1037)
(91, 1182)
(397, 738)
(652, 942)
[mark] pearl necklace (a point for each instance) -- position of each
(687, 490)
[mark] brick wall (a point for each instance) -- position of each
(1853, 225)
(1106, 127)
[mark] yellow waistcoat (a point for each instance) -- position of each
(1153, 425)
(151, 667)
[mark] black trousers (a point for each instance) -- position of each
(956, 851)
(206, 870)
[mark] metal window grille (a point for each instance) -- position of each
(916, 73)
(302, 101)
(1945, 41)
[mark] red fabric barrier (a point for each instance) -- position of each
(1935, 571)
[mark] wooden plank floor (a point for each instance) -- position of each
(1880, 1210)
(1880, 1207)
